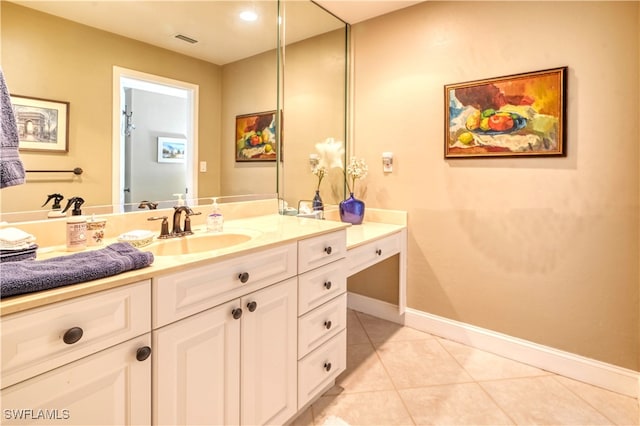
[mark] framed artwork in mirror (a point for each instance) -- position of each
(511, 116)
(42, 124)
(171, 150)
(256, 137)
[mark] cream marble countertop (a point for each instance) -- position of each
(268, 230)
(361, 234)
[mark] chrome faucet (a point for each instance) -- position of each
(177, 230)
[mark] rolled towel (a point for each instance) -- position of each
(36, 275)
(11, 167)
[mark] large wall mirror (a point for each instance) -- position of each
(68, 51)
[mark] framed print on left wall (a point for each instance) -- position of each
(42, 123)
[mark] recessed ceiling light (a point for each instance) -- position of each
(248, 15)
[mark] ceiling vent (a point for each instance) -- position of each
(185, 38)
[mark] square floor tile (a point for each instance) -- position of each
(380, 330)
(355, 331)
(419, 363)
(620, 409)
(364, 372)
(461, 404)
(483, 365)
(367, 408)
(542, 401)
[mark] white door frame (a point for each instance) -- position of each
(117, 194)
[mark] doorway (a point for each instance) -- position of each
(155, 138)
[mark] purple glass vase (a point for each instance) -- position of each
(352, 210)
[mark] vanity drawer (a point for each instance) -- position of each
(320, 250)
(319, 325)
(178, 295)
(362, 257)
(34, 341)
(321, 285)
(320, 368)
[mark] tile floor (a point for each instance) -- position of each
(400, 376)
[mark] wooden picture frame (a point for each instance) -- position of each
(256, 137)
(519, 115)
(42, 124)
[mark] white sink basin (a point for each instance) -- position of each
(196, 244)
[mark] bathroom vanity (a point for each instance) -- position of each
(247, 334)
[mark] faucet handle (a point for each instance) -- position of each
(164, 226)
(187, 221)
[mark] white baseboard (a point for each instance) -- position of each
(374, 307)
(597, 373)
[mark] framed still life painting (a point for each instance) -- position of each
(516, 115)
(256, 137)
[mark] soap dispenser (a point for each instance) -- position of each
(77, 203)
(76, 226)
(215, 220)
(56, 208)
(179, 201)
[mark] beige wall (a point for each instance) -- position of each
(314, 92)
(313, 110)
(47, 57)
(544, 249)
(250, 86)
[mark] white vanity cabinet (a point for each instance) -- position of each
(83, 361)
(366, 255)
(322, 313)
(235, 361)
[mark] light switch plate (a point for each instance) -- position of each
(203, 166)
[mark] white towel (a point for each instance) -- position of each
(14, 238)
(11, 168)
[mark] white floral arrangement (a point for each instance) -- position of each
(330, 153)
(357, 169)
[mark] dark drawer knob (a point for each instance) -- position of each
(252, 306)
(327, 250)
(327, 366)
(72, 335)
(243, 277)
(327, 325)
(143, 353)
(379, 252)
(237, 313)
(327, 285)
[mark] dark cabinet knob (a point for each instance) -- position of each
(243, 277)
(327, 250)
(327, 366)
(252, 306)
(237, 313)
(143, 353)
(379, 252)
(327, 285)
(327, 325)
(72, 335)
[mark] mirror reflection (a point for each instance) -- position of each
(69, 51)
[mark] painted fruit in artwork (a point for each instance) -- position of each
(473, 120)
(466, 138)
(500, 122)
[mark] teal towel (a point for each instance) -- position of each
(35, 275)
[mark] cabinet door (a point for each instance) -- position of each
(196, 369)
(269, 373)
(108, 387)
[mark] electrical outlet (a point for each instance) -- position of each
(203, 166)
